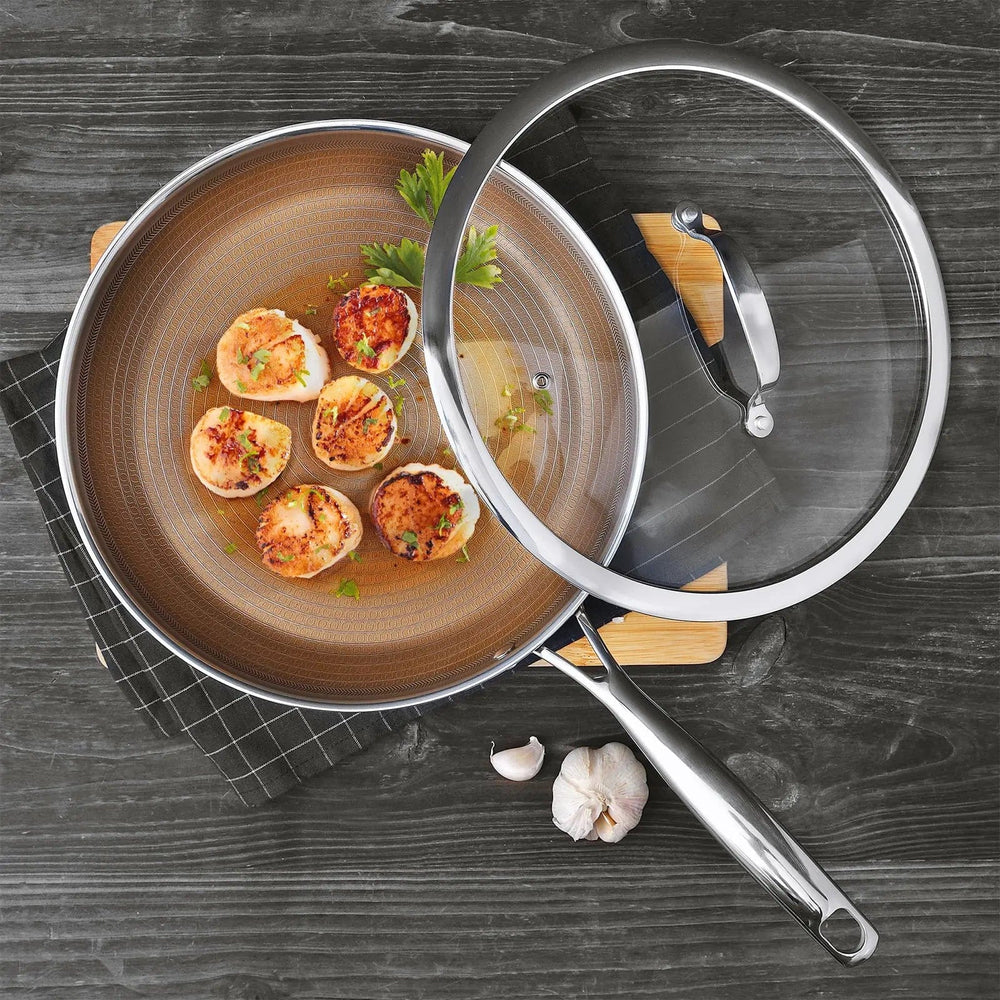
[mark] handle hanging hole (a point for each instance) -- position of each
(841, 930)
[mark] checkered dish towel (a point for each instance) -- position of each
(261, 748)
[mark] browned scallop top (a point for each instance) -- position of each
(234, 447)
(270, 357)
(417, 504)
(302, 531)
(372, 318)
(351, 433)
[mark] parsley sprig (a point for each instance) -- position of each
(402, 264)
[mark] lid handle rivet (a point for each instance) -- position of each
(541, 380)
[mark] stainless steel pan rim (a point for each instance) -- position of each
(442, 362)
(66, 383)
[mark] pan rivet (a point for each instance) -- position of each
(540, 380)
(501, 653)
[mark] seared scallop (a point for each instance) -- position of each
(266, 355)
(307, 529)
(424, 512)
(236, 453)
(355, 424)
(374, 326)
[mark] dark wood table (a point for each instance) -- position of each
(867, 717)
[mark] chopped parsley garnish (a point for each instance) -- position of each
(347, 588)
(396, 383)
(508, 391)
(241, 358)
(509, 420)
(295, 501)
(319, 548)
(259, 499)
(397, 405)
(244, 439)
(410, 537)
(240, 386)
(543, 400)
(379, 466)
(332, 412)
(311, 310)
(464, 557)
(285, 556)
(443, 525)
(363, 347)
(224, 414)
(354, 556)
(366, 423)
(455, 508)
(447, 452)
(253, 463)
(300, 376)
(261, 357)
(230, 548)
(204, 376)
(333, 283)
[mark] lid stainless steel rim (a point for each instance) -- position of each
(442, 358)
(69, 467)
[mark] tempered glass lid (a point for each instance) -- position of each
(788, 306)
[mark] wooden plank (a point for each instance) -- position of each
(637, 639)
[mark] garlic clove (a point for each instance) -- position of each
(518, 763)
(599, 794)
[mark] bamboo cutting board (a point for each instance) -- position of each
(639, 639)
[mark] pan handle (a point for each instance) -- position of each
(724, 806)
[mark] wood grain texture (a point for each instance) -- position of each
(866, 717)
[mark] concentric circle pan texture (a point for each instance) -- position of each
(267, 223)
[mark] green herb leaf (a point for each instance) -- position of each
(285, 556)
(396, 383)
(241, 358)
(410, 537)
(363, 347)
(240, 386)
(464, 557)
(508, 421)
(333, 283)
(230, 548)
(508, 391)
(443, 525)
(447, 452)
(332, 413)
(224, 414)
(253, 463)
(379, 466)
(354, 556)
(475, 266)
(311, 310)
(424, 189)
(300, 376)
(244, 439)
(201, 380)
(455, 508)
(543, 400)
(366, 423)
(347, 588)
(401, 265)
(319, 548)
(261, 498)
(397, 405)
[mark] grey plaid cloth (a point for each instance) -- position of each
(261, 748)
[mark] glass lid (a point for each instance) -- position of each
(787, 305)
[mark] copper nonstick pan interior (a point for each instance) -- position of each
(267, 226)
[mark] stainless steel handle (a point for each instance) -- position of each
(746, 303)
(722, 804)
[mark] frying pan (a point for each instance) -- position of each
(264, 222)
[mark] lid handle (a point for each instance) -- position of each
(744, 300)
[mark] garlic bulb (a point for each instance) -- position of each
(599, 793)
(519, 763)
